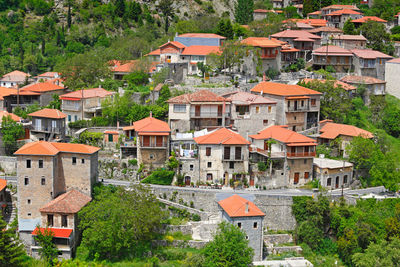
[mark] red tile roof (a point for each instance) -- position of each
(50, 74)
(48, 113)
(87, 93)
(198, 96)
(353, 79)
(332, 130)
(15, 75)
(396, 60)
(340, 7)
(149, 124)
(156, 52)
(201, 50)
(263, 11)
(41, 87)
(336, 83)
(6, 92)
(332, 50)
(221, 136)
(295, 34)
(325, 29)
(369, 54)
(70, 203)
(129, 65)
(58, 232)
(3, 184)
(349, 37)
(281, 89)
(260, 42)
(235, 206)
(249, 99)
(202, 35)
(5, 114)
(367, 18)
(51, 149)
(282, 134)
(344, 11)
(174, 43)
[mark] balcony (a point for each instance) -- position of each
(233, 157)
(55, 130)
(160, 145)
(70, 107)
(203, 114)
(298, 108)
(300, 154)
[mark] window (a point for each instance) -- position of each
(288, 104)
(227, 152)
(29, 201)
(209, 164)
(242, 109)
(231, 164)
(238, 153)
(306, 175)
(64, 220)
(208, 151)
(313, 102)
(239, 225)
(265, 122)
(40, 163)
(302, 103)
(151, 156)
(26, 180)
(257, 109)
(50, 219)
(180, 167)
(43, 181)
(73, 160)
(191, 167)
(69, 117)
(28, 163)
(179, 108)
(295, 118)
(345, 179)
(209, 176)
(329, 182)
(76, 117)
(269, 109)
(247, 237)
(83, 161)
(255, 225)
(29, 214)
(305, 161)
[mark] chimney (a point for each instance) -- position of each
(247, 208)
(151, 114)
(99, 86)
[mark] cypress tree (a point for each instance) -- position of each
(11, 251)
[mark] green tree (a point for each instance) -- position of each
(55, 103)
(203, 67)
(134, 10)
(225, 29)
(11, 132)
(119, 223)
(272, 24)
(229, 248)
(233, 54)
(138, 78)
(11, 250)
(349, 28)
(48, 250)
(186, 26)
(290, 12)
(166, 8)
(377, 36)
(244, 11)
(385, 253)
(120, 7)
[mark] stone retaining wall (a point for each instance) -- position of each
(9, 164)
(277, 239)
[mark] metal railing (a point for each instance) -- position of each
(46, 129)
(203, 114)
(301, 154)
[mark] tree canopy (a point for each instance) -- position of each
(12, 252)
(11, 131)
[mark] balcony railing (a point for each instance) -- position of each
(153, 145)
(47, 129)
(233, 158)
(298, 108)
(300, 154)
(70, 107)
(203, 114)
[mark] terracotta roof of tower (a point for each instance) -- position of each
(198, 96)
(202, 35)
(344, 11)
(282, 134)
(150, 125)
(235, 206)
(87, 93)
(332, 130)
(70, 202)
(48, 113)
(202, 50)
(282, 89)
(51, 148)
(221, 136)
(250, 99)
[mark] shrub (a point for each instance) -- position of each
(138, 78)
(161, 177)
(132, 162)
(196, 217)
(262, 167)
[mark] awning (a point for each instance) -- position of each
(58, 232)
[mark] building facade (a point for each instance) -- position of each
(48, 124)
(333, 174)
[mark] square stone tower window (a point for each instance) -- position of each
(28, 163)
(40, 163)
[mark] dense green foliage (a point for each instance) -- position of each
(11, 131)
(48, 250)
(90, 138)
(244, 11)
(229, 248)
(377, 36)
(162, 177)
(12, 252)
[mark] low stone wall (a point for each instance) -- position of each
(179, 243)
(184, 229)
(277, 239)
(203, 215)
(280, 250)
(8, 164)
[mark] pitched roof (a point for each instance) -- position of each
(221, 136)
(369, 53)
(3, 184)
(202, 35)
(349, 37)
(51, 149)
(318, 12)
(50, 74)
(58, 232)
(15, 75)
(6, 92)
(249, 99)
(156, 52)
(70, 202)
(295, 34)
(41, 87)
(48, 113)
(201, 50)
(396, 60)
(340, 7)
(87, 93)
(198, 96)
(344, 11)
(235, 206)
(263, 11)
(282, 89)
(151, 124)
(5, 114)
(367, 18)
(325, 29)
(336, 83)
(282, 134)
(260, 42)
(332, 130)
(174, 43)
(332, 50)
(353, 79)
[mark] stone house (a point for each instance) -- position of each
(343, 134)
(49, 75)
(223, 155)
(332, 8)
(331, 173)
(251, 113)
(14, 79)
(244, 214)
(4, 93)
(200, 39)
(121, 68)
(290, 154)
(47, 125)
(84, 104)
(370, 63)
(60, 215)
(280, 3)
(392, 77)
(46, 170)
(297, 107)
(338, 58)
(260, 14)
(362, 20)
(373, 86)
(314, 15)
(149, 140)
(199, 110)
(350, 41)
(111, 136)
(339, 17)
(326, 33)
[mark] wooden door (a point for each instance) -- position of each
(296, 177)
(337, 182)
(251, 181)
(146, 141)
(187, 180)
(110, 138)
(219, 110)
(197, 111)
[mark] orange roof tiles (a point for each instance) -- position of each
(129, 65)
(201, 50)
(237, 206)
(369, 54)
(174, 43)
(86, 93)
(50, 85)
(70, 202)
(150, 124)
(344, 11)
(396, 60)
(15, 75)
(3, 184)
(282, 89)
(50, 74)
(295, 34)
(325, 29)
(6, 92)
(367, 18)
(48, 113)
(332, 50)
(156, 52)
(353, 79)
(340, 7)
(282, 134)
(250, 99)
(199, 96)
(336, 83)
(51, 149)
(58, 232)
(5, 114)
(202, 35)
(260, 42)
(332, 130)
(315, 13)
(349, 37)
(221, 136)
